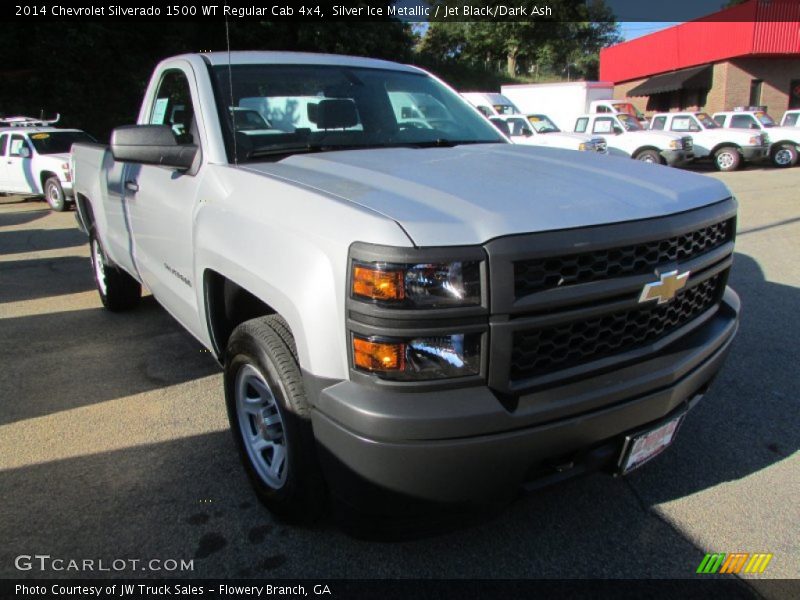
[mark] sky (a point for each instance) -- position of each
(633, 29)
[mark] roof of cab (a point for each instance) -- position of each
(299, 58)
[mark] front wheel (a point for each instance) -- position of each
(268, 413)
(54, 194)
(784, 155)
(649, 156)
(118, 290)
(727, 159)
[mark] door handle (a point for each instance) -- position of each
(131, 185)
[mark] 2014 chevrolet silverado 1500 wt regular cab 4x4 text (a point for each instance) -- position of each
(406, 310)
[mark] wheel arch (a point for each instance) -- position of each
(44, 176)
(228, 305)
(722, 145)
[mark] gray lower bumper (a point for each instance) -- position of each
(464, 445)
(751, 153)
(676, 158)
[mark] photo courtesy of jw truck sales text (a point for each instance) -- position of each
(325, 299)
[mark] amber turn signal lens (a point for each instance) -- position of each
(378, 285)
(378, 356)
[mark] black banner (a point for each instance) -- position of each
(406, 10)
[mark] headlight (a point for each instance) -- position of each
(421, 285)
(676, 144)
(422, 358)
(583, 146)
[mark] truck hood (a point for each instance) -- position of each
(472, 194)
(782, 133)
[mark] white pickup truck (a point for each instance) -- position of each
(625, 136)
(791, 118)
(727, 147)
(784, 146)
(538, 130)
(35, 160)
(402, 318)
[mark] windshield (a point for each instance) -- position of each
(313, 108)
(542, 124)
(629, 122)
(505, 109)
(706, 121)
(765, 119)
(58, 142)
(628, 109)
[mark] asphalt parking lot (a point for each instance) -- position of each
(114, 441)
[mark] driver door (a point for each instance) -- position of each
(19, 170)
(161, 202)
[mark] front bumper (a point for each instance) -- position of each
(466, 445)
(677, 158)
(753, 153)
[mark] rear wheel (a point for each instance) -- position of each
(54, 194)
(649, 156)
(727, 159)
(117, 289)
(784, 155)
(268, 413)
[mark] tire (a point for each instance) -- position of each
(269, 417)
(118, 290)
(650, 156)
(727, 159)
(784, 156)
(54, 194)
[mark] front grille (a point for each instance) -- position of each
(541, 274)
(688, 144)
(548, 349)
(601, 146)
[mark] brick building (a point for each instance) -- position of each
(745, 55)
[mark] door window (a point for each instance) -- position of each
(17, 144)
(659, 122)
(173, 106)
(580, 124)
(603, 125)
(745, 121)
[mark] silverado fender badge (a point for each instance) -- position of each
(665, 289)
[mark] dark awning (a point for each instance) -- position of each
(696, 78)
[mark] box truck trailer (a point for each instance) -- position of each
(565, 101)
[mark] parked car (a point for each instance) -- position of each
(566, 101)
(784, 141)
(35, 160)
(491, 104)
(791, 118)
(538, 130)
(625, 136)
(418, 314)
(728, 148)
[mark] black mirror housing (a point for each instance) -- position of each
(151, 145)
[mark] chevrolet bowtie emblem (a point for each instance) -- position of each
(665, 289)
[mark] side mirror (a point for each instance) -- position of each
(151, 145)
(527, 132)
(617, 130)
(24, 152)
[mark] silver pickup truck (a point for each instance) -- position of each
(404, 304)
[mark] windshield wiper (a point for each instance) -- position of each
(303, 149)
(442, 143)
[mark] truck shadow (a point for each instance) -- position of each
(748, 420)
(92, 355)
(33, 240)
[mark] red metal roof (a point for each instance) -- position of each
(752, 28)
